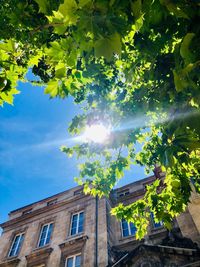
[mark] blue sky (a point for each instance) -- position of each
(32, 166)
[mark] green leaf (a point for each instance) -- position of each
(83, 3)
(175, 183)
(43, 6)
(136, 7)
(174, 9)
(60, 70)
(8, 46)
(34, 60)
(68, 10)
(194, 103)
(7, 97)
(179, 81)
(52, 88)
(184, 50)
(55, 52)
(67, 150)
(107, 47)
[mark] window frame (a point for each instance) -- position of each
(17, 247)
(52, 202)
(74, 259)
(155, 224)
(41, 230)
(77, 226)
(129, 229)
(27, 211)
(78, 192)
(123, 193)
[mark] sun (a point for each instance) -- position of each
(97, 133)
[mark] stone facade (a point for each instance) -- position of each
(100, 241)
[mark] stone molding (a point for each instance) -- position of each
(71, 246)
(78, 240)
(39, 211)
(39, 256)
(6, 249)
(10, 262)
(154, 254)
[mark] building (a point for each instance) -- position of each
(71, 229)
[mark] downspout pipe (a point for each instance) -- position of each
(96, 230)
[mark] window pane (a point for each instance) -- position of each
(124, 224)
(73, 231)
(45, 234)
(20, 244)
(80, 229)
(74, 224)
(125, 232)
(77, 223)
(49, 234)
(78, 261)
(16, 245)
(41, 243)
(81, 217)
(81, 221)
(70, 262)
(159, 224)
(12, 252)
(128, 228)
(133, 229)
(75, 218)
(42, 235)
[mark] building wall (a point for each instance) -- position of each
(109, 240)
(194, 209)
(127, 195)
(189, 221)
(60, 214)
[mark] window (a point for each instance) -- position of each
(78, 192)
(74, 261)
(27, 211)
(155, 224)
(128, 229)
(123, 193)
(45, 234)
(16, 245)
(77, 223)
(52, 202)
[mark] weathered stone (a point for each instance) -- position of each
(101, 243)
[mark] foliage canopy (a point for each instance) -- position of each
(132, 64)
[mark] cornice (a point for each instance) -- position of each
(34, 213)
(39, 256)
(132, 195)
(80, 240)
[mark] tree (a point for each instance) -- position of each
(132, 64)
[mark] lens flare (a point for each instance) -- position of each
(97, 133)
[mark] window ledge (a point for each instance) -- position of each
(131, 237)
(72, 237)
(41, 248)
(160, 228)
(39, 256)
(10, 261)
(77, 239)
